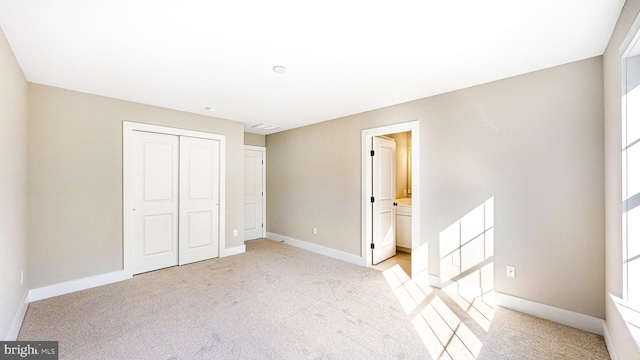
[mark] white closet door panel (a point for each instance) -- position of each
(155, 200)
(199, 199)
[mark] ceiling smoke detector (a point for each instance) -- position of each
(279, 69)
(265, 126)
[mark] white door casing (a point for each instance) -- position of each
(199, 199)
(155, 200)
(254, 188)
(384, 195)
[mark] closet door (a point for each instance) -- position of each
(199, 199)
(155, 200)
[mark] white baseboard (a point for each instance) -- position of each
(319, 249)
(68, 287)
(613, 353)
(12, 335)
(434, 280)
(233, 251)
(561, 316)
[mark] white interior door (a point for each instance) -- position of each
(155, 200)
(199, 199)
(384, 194)
(253, 193)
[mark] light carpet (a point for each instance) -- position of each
(280, 302)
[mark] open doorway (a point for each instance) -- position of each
(406, 136)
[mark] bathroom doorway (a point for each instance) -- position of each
(407, 229)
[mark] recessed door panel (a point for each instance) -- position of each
(200, 229)
(385, 227)
(158, 171)
(387, 179)
(251, 172)
(157, 234)
(201, 173)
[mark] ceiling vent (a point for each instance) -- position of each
(265, 126)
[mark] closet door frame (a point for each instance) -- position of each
(128, 129)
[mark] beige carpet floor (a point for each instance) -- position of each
(279, 302)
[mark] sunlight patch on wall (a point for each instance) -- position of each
(451, 322)
(466, 253)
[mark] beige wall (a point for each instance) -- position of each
(622, 341)
(533, 142)
(75, 179)
(13, 186)
(254, 139)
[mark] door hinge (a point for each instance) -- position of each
(262, 162)
(373, 199)
(373, 246)
(261, 225)
(262, 193)
(373, 153)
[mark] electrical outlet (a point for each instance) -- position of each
(314, 230)
(455, 260)
(511, 271)
(235, 233)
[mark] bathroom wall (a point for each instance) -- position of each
(403, 144)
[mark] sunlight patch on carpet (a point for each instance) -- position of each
(444, 334)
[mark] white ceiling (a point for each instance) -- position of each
(343, 56)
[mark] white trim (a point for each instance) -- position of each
(222, 189)
(14, 330)
(68, 287)
(367, 135)
(264, 186)
(127, 162)
(318, 249)
(633, 35)
(561, 316)
(630, 315)
(233, 251)
(434, 280)
(608, 340)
